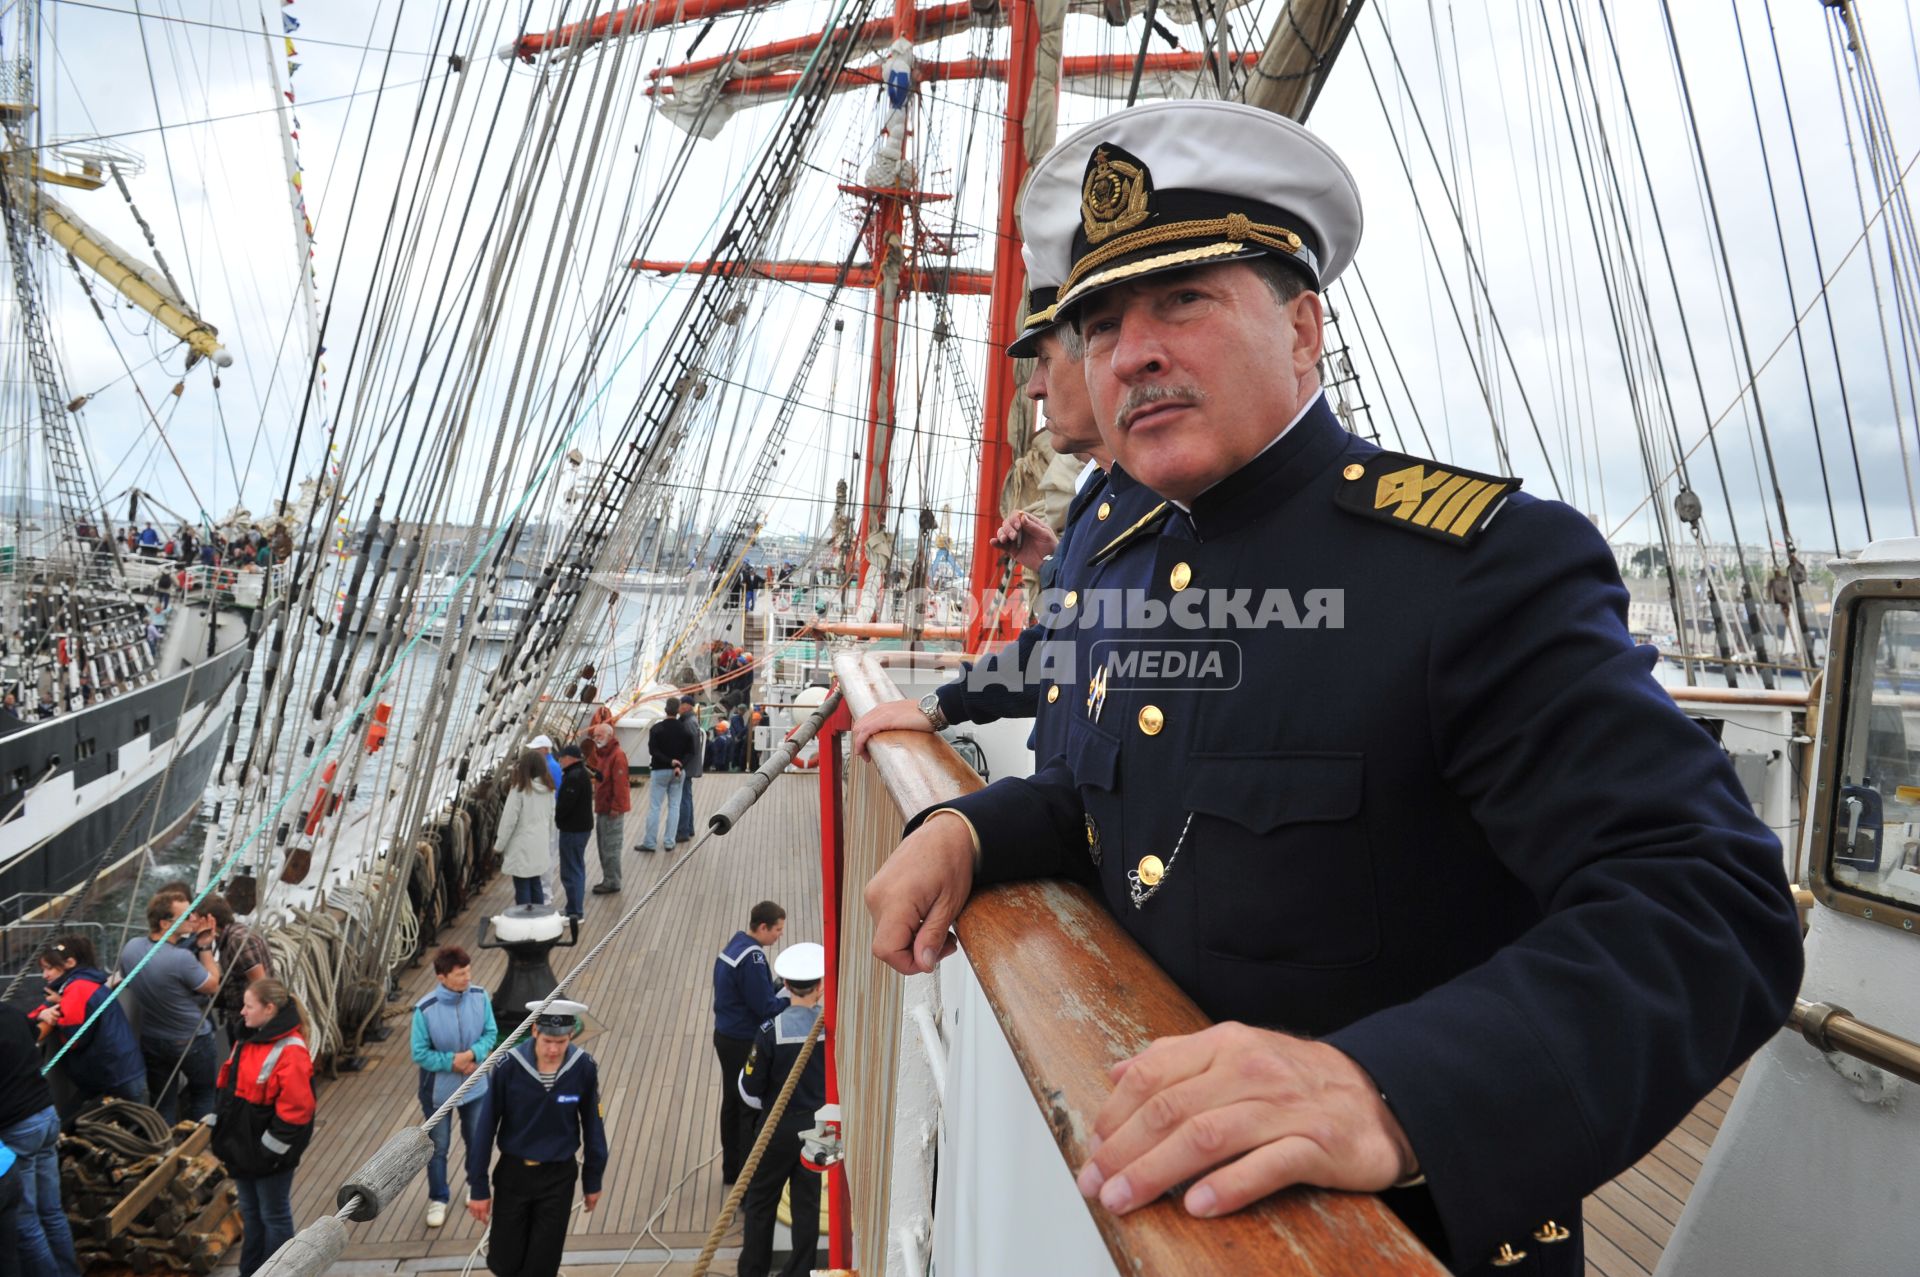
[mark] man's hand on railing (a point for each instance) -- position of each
(889, 716)
(1269, 1111)
(917, 894)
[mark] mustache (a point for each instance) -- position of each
(1140, 396)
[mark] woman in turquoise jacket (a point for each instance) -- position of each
(453, 1030)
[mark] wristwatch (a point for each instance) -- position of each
(930, 706)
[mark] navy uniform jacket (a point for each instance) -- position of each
(775, 1048)
(1443, 818)
(1013, 682)
(743, 994)
(537, 1125)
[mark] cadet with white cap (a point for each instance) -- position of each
(1433, 813)
(542, 1108)
(803, 969)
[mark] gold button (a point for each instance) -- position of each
(1354, 470)
(1053, 693)
(1073, 597)
(1106, 508)
(1152, 720)
(1180, 576)
(1151, 870)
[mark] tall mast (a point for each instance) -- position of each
(890, 178)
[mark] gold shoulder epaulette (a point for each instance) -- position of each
(1441, 501)
(1148, 524)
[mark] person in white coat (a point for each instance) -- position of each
(525, 818)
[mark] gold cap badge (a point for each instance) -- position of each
(1113, 198)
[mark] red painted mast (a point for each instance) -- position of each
(778, 84)
(888, 247)
(641, 17)
(993, 622)
(971, 283)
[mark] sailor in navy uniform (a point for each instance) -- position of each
(803, 969)
(1429, 817)
(1017, 681)
(743, 999)
(542, 1108)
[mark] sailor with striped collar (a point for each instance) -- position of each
(542, 1108)
(776, 1052)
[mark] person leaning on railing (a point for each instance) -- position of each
(1438, 820)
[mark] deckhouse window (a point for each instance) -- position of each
(1869, 847)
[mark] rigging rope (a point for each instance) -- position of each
(1794, 570)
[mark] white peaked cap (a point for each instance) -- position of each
(801, 963)
(1171, 185)
(561, 1015)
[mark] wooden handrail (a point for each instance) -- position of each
(886, 630)
(1073, 993)
(1754, 697)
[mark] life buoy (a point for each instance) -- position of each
(60, 650)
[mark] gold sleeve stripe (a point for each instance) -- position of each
(1431, 506)
(1471, 515)
(1451, 509)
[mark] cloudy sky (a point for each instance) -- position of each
(396, 151)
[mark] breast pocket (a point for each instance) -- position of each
(1282, 865)
(1094, 757)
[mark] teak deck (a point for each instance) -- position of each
(651, 996)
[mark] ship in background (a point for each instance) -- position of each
(112, 726)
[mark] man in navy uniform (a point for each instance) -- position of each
(1501, 909)
(542, 1108)
(1017, 681)
(803, 969)
(743, 999)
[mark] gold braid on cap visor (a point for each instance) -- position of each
(1235, 230)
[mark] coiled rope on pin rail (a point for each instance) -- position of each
(386, 1174)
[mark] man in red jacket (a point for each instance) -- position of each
(612, 800)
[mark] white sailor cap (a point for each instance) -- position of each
(1172, 185)
(802, 963)
(540, 742)
(1043, 289)
(561, 1016)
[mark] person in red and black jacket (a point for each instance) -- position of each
(264, 1116)
(105, 1059)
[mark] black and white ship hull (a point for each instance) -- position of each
(82, 792)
